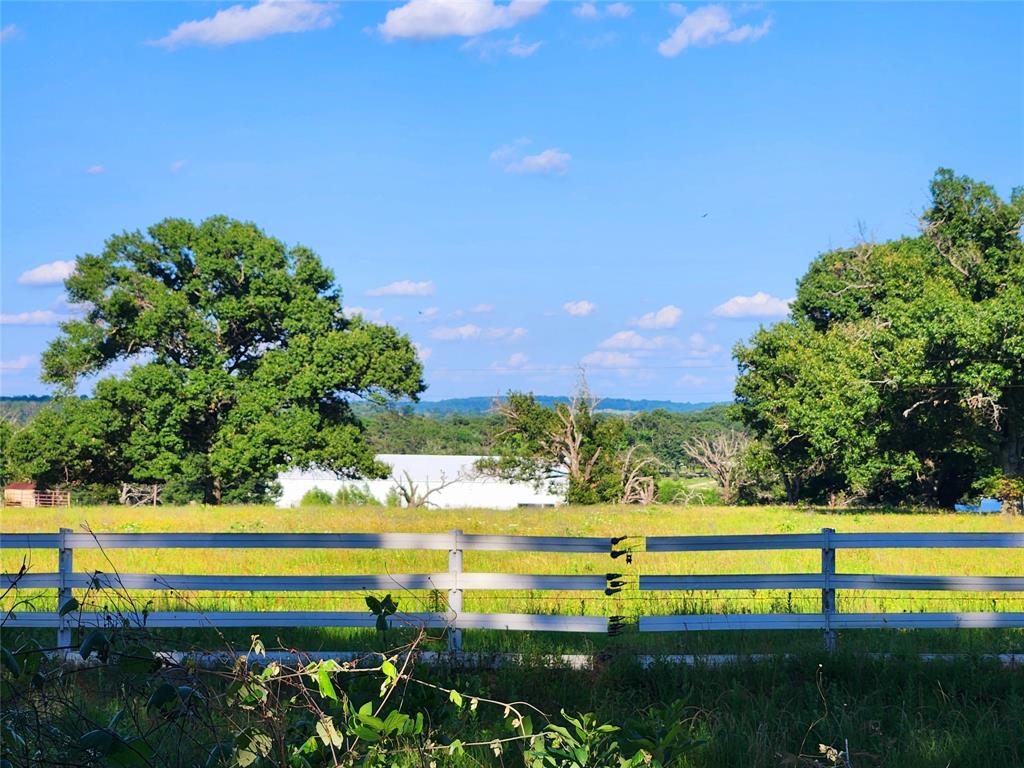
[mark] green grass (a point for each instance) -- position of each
(569, 521)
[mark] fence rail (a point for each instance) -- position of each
(455, 581)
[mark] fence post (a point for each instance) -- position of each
(65, 565)
(455, 591)
(828, 592)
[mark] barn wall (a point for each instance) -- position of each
(426, 471)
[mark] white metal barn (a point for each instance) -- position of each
(470, 489)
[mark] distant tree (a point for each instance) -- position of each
(6, 433)
(243, 364)
(721, 456)
(568, 446)
(666, 433)
(315, 497)
(901, 372)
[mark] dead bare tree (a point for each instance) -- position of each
(719, 456)
(413, 496)
(638, 484)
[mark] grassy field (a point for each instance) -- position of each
(578, 521)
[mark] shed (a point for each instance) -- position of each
(20, 495)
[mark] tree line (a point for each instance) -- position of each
(898, 377)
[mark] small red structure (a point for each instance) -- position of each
(26, 495)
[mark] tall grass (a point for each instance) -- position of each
(567, 521)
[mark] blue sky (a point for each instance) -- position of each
(521, 188)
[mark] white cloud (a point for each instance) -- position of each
(697, 340)
(47, 274)
(515, 360)
(422, 352)
(472, 331)
(505, 334)
(580, 308)
(760, 304)
(426, 19)
(666, 317)
(633, 340)
(610, 360)
(241, 23)
(513, 46)
(688, 379)
(368, 314)
(404, 288)
(546, 162)
(95, 170)
(177, 165)
(34, 317)
(482, 309)
(594, 11)
(9, 32)
(457, 333)
(708, 25)
(18, 364)
(429, 314)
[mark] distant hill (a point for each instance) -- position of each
(481, 405)
(21, 409)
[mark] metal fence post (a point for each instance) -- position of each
(65, 565)
(455, 592)
(828, 592)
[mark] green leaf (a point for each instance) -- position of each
(161, 697)
(71, 604)
(134, 753)
(95, 642)
(328, 733)
(455, 698)
(323, 679)
(99, 740)
(10, 662)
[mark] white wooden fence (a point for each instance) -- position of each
(456, 581)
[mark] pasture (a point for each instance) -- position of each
(566, 521)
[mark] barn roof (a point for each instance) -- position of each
(21, 486)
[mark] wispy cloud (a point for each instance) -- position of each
(367, 314)
(9, 32)
(591, 11)
(505, 334)
(760, 304)
(95, 170)
(473, 331)
(242, 23)
(603, 359)
(34, 317)
(428, 315)
(422, 352)
(547, 162)
(666, 317)
(404, 288)
(426, 19)
(482, 309)
(709, 25)
(51, 273)
(633, 340)
(17, 364)
(515, 360)
(177, 165)
(580, 308)
(456, 333)
(513, 158)
(513, 46)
